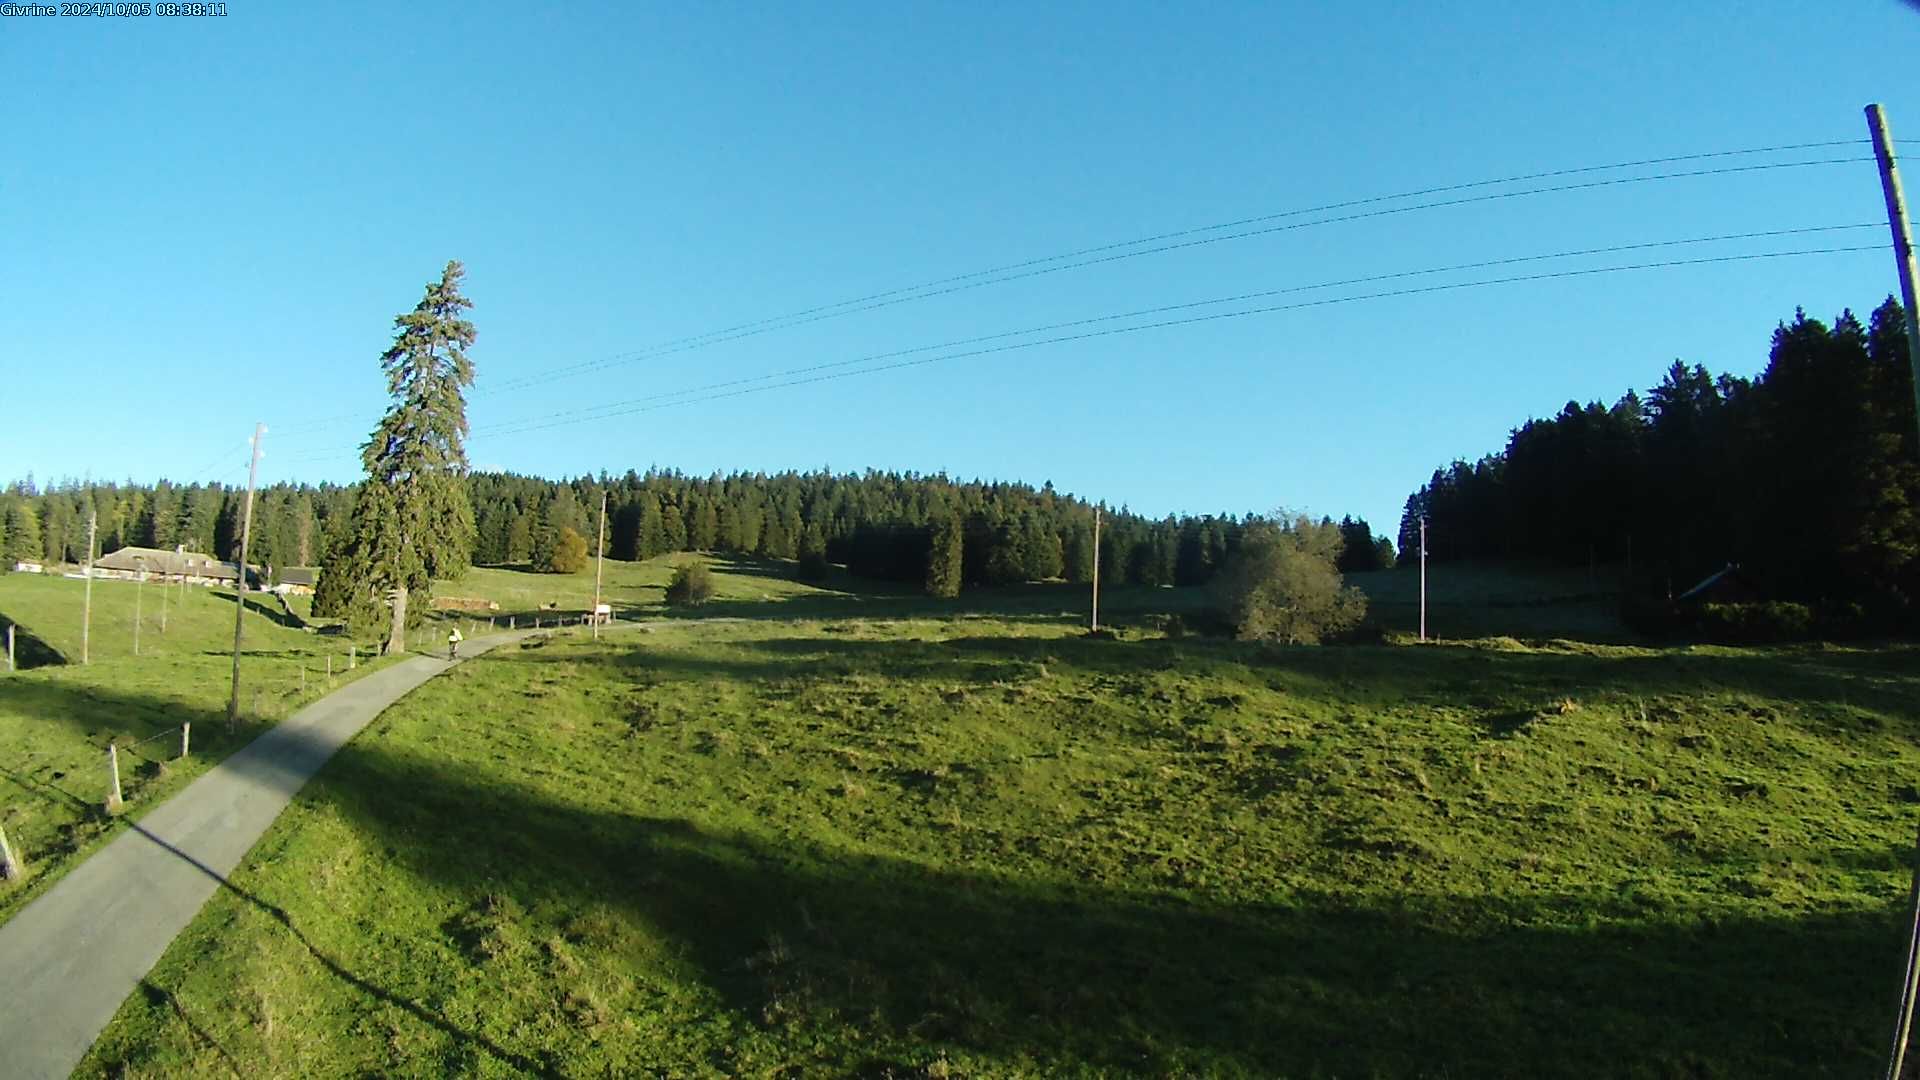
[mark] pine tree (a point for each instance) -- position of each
(23, 533)
(704, 530)
(520, 538)
(1077, 553)
(412, 521)
(202, 518)
(653, 527)
(162, 521)
(673, 529)
(61, 534)
(813, 553)
(946, 559)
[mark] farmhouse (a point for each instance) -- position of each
(196, 568)
(294, 580)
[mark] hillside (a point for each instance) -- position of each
(57, 718)
(991, 847)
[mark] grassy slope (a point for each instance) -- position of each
(989, 847)
(1473, 600)
(631, 587)
(56, 720)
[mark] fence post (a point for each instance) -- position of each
(509, 622)
(353, 657)
(9, 869)
(113, 779)
(329, 667)
(10, 666)
(303, 676)
(186, 737)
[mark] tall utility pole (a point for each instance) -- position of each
(86, 608)
(163, 595)
(1902, 233)
(1096, 568)
(1903, 261)
(599, 565)
(240, 592)
(1423, 577)
(138, 592)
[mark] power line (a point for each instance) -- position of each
(194, 476)
(1111, 252)
(596, 411)
(1107, 253)
(1208, 318)
(1217, 316)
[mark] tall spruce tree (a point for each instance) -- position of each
(704, 529)
(412, 522)
(945, 561)
(23, 533)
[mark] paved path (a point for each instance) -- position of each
(73, 955)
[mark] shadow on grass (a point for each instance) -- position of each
(886, 961)
(272, 611)
(902, 960)
(156, 995)
(29, 651)
(53, 802)
(160, 997)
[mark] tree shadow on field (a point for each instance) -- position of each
(837, 951)
(29, 651)
(272, 612)
(158, 997)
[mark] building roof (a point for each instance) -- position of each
(157, 561)
(1729, 579)
(298, 575)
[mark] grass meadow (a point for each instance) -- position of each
(57, 715)
(866, 839)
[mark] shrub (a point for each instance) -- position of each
(814, 567)
(1756, 623)
(691, 585)
(568, 553)
(1282, 584)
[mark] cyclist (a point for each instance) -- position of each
(453, 643)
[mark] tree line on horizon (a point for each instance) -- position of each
(879, 524)
(420, 515)
(1803, 476)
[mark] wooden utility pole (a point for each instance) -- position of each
(1096, 568)
(1423, 577)
(240, 592)
(86, 609)
(599, 565)
(163, 596)
(139, 590)
(1904, 263)
(1902, 233)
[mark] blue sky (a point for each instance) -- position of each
(207, 222)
